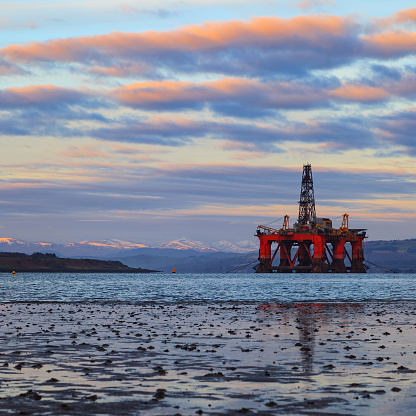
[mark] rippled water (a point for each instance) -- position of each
(168, 288)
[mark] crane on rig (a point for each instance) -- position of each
(312, 244)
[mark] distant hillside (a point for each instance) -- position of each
(39, 262)
(397, 255)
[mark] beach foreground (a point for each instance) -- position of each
(214, 359)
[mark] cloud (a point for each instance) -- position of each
(387, 84)
(39, 96)
(237, 97)
(125, 69)
(179, 132)
(404, 16)
(243, 98)
(399, 128)
(36, 123)
(392, 44)
(196, 188)
(8, 68)
(159, 131)
(54, 122)
(400, 17)
(360, 93)
(333, 134)
(63, 112)
(386, 72)
(264, 46)
(252, 106)
(338, 134)
(48, 110)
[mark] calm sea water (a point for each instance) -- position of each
(169, 288)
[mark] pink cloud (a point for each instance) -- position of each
(261, 46)
(378, 91)
(206, 36)
(400, 17)
(391, 44)
(116, 50)
(179, 94)
(360, 93)
(405, 15)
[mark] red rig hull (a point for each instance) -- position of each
(315, 251)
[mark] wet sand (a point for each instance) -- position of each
(213, 359)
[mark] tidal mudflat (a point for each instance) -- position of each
(228, 358)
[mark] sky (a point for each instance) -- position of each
(155, 120)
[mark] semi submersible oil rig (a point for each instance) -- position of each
(312, 245)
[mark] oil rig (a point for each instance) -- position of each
(312, 244)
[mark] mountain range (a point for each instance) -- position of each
(121, 247)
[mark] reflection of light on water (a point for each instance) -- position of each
(309, 319)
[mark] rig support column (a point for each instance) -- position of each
(319, 265)
(338, 265)
(357, 265)
(265, 256)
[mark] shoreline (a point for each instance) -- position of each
(222, 358)
(75, 271)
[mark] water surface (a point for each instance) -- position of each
(177, 288)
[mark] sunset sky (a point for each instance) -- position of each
(154, 120)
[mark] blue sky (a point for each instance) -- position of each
(150, 121)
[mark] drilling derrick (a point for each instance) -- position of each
(312, 244)
(307, 213)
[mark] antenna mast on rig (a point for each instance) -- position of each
(307, 212)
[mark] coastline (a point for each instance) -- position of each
(50, 263)
(82, 271)
(208, 358)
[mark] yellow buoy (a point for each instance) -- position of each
(13, 272)
(173, 270)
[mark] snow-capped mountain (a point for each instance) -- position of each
(21, 246)
(115, 243)
(7, 241)
(82, 248)
(114, 246)
(247, 245)
(239, 247)
(185, 244)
